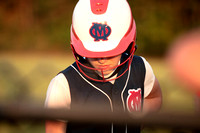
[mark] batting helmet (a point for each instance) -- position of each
(102, 28)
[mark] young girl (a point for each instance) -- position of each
(106, 73)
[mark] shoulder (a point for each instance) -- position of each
(60, 78)
(143, 68)
(137, 59)
(149, 77)
(138, 67)
(142, 62)
(58, 93)
(148, 67)
(57, 84)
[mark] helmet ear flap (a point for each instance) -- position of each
(76, 56)
(131, 48)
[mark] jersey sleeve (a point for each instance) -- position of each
(149, 78)
(58, 93)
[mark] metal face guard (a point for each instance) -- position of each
(129, 60)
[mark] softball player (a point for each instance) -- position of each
(105, 72)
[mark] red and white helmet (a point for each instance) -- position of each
(102, 28)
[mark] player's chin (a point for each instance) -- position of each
(105, 72)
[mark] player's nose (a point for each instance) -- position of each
(102, 60)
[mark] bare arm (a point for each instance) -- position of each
(153, 102)
(55, 127)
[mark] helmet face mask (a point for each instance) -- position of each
(102, 31)
(79, 59)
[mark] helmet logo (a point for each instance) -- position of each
(100, 31)
(134, 100)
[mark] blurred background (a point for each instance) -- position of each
(35, 46)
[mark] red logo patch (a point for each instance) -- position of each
(134, 100)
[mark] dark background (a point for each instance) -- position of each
(44, 25)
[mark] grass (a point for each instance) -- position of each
(25, 76)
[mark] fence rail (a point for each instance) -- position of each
(39, 114)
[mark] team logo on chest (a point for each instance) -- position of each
(134, 100)
(100, 31)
